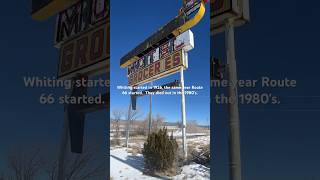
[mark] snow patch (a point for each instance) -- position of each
(126, 166)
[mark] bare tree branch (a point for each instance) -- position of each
(158, 122)
(24, 165)
(117, 116)
(83, 166)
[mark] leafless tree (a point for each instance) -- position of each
(79, 167)
(32, 164)
(141, 127)
(158, 122)
(133, 115)
(24, 165)
(3, 176)
(145, 124)
(117, 116)
(51, 169)
(193, 127)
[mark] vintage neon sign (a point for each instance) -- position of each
(78, 18)
(85, 54)
(158, 69)
(149, 63)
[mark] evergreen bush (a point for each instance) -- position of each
(160, 152)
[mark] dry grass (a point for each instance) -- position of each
(135, 150)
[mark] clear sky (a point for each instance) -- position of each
(134, 21)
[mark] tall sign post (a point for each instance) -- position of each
(183, 115)
(150, 112)
(234, 121)
(63, 146)
(225, 15)
(165, 53)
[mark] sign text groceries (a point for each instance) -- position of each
(86, 53)
(157, 69)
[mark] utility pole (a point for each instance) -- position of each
(234, 122)
(183, 112)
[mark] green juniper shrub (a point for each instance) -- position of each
(160, 152)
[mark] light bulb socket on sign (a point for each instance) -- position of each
(162, 61)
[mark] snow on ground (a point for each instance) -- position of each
(204, 140)
(194, 171)
(178, 134)
(199, 142)
(126, 166)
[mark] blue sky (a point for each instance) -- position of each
(130, 25)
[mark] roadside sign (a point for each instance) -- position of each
(190, 6)
(173, 28)
(221, 10)
(85, 54)
(100, 11)
(184, 41)
(82, 34)
(154, 64)
(164, 67)
(162, 54)
(78, 18)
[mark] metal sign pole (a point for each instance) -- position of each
(64, 142)
(128, 125)
(183, 112)
(234, 122)
(63, 146)
(150, 112)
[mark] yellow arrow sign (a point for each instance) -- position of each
(192, 22)
(186, 26)
(42, 11)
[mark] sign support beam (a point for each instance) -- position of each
(183, 113)
(128, 125)
(150, 112)
(63, 146)
(234, 122)
(65, 138)
(88, 108)
(72, 132)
